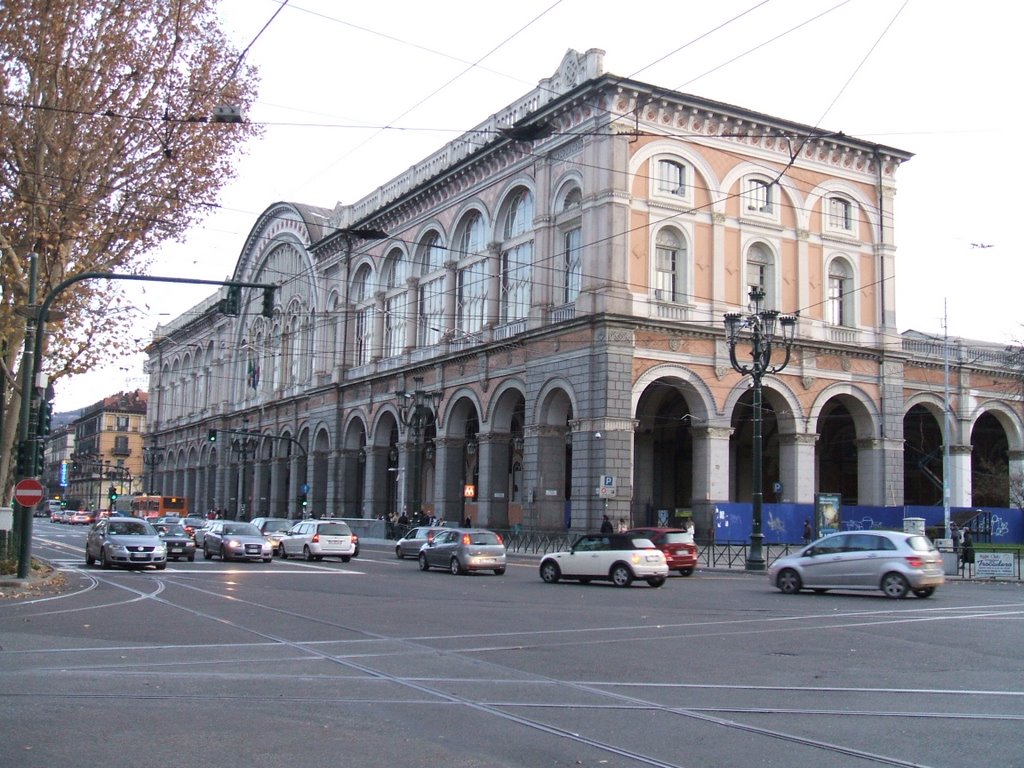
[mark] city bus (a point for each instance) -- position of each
(151, 507)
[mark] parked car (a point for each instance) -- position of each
(676, 544)
(179, 543)
(231, 540)
(409, 545)
(462, 550)
(274, 529)
(125, 541)
(890, 561)
(616, 557)
(317, 539)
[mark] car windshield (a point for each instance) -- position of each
(166, 529)
(273, 526)
(131, 528)
(241, 529)
(335, 529)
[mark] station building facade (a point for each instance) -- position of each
(526, 328)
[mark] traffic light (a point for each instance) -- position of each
(39, 455)
(112, 494)
(212, 435)
(268, 302)
(45, 417)
(233, 303)
(302, 501)
(24, 457)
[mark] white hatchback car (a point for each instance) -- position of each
(890, 561)
(616, 557)
(317, 539)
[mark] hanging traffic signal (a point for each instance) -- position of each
(268, 302)
(212, 435)
(233, 303)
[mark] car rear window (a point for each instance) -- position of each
(483, 537)
(272, 526)
(639, 543)
(678, 537)
(920, 544)
(335, 529)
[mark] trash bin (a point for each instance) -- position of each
(950, 563)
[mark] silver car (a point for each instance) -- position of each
(125, 541)
(317, 539)
(231, 540)
(890, 561)
(414, 539)
(462, 550)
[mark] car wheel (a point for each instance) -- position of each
(788, 582)
(308, 555)
(499, 571)
(895, 585)
(223, 553)
(89, 559)
(656, 581)
(192, 557)
(455, 567)
(621, 576)
(686, 571)
(424, 565)
(105, 559)
(550, 572)
(345, 558)
(161, 566)
(284, 553)
(924, 592)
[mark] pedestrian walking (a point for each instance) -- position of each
(967, 551)
(808, 531)
(606, 525)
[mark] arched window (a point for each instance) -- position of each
(571, 232)
(361, 294)
(669, 266)
(471, 282)
(396, 274)
(761, 273)
(517, 257)
(838, 307)
(430, 323)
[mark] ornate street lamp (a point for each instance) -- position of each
(760, 325)
(243, 445)
(416, 410)
(151, 457)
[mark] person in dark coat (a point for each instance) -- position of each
(967, 548)
(606, 525)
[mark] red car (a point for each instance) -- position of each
(677, 544)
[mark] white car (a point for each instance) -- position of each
(616, 557)
(317, 539)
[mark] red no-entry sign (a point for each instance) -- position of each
(28, 492)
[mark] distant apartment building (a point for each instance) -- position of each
(526, 328)
(105, 457)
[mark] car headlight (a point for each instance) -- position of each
(232, 544)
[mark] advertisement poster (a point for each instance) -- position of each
(829, 519)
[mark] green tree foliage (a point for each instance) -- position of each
(108, 147)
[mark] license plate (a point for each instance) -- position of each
(176, 550)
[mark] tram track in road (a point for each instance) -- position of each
(372, 655)
(431, 692)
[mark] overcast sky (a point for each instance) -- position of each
(354, 93)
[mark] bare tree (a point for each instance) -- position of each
(107, 149)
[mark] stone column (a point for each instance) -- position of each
(492, 495)
(711, 463)
(797, 467)
(960, 491)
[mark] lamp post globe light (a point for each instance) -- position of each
(759, 327)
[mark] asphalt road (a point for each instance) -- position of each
(374, 663)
